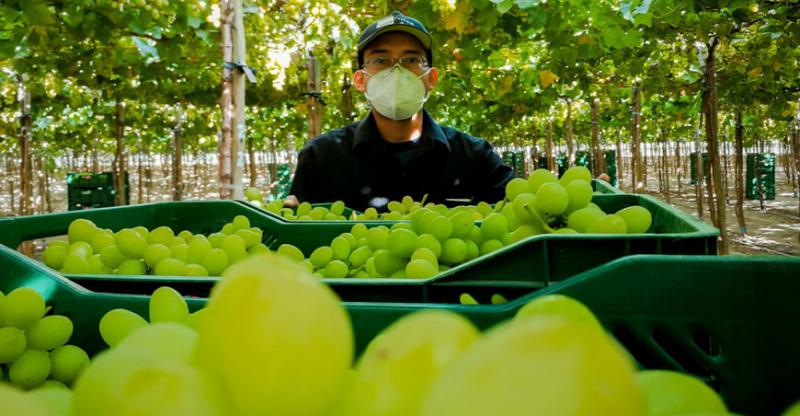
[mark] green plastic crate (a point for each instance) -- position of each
(604, 187)
(760, 176)
(732, 321)
(693, 166)
(92, 190)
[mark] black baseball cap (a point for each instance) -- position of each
(395, 22)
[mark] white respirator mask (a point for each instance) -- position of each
(396, 92)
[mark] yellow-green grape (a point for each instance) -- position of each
(167, 305)
(66, 362)
(608, 224)
(117, 324)
(227, 229)
(16, 402)
(515, 187)
(130, 243)
(318, 213)
(524, 231)
(426, 254)
(359, 256)
(30, 369)
(508, 239)
(193, 321)
(398, 367)
(101, 240)
(291, 252)
(309, 318)
(580, 220)
(550, 365)
(131, 382)
(400, 274)
(56, 400)
(337, 207)
(351, 240)
(257, 249)
(50, 332)
(407, 202)
(321, 256)
(96, 266)
(538, 178)
(793, 410)
(580, 194)
(142, 231)
(240, 222)
(387, 263)
(161, 235)
(111, 256)
(462, 224)
(132, 267)
(81, 248)
(340, 248)
(565, 230)
(671, 393)
(170, 267)
(53, 384)
(216, 239)
(489, 246)
(234, 247)
(467, 299)
(378, 237)
(576, 173)
(275, 206)
(187, 235)
(53, 255)
(440, 227)
(171, 340)
(493, 227)
(402, 242)
(336, 269)
(154, 253)
(473, 250)
(484, 208)
(176, 241)
(359, 231)
(454, 251)
(197, 249)
(498, 299)
(396, 206)
(371, 214)
(249, 237)
(215, 262)
(304, 208)
(12, 344)
(430, 242)
(552, 198)
(75, 264)
(558, 306)
(420, 269)
(369, 267)
(476, 235)
(508, 213)
(637, 219)
(196, 270)
(22, 308)
(81, 230)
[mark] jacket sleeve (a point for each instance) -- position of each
(495, 173)
(305, 177)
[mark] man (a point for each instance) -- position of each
(398, 149)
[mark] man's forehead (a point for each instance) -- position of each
(402, 39)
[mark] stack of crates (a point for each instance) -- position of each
(693, 166)
(515, 159)
(760, 176)
(92, 190)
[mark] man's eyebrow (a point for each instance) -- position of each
(383, 50)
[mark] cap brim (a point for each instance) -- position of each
(424, 38)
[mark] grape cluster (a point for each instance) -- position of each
(304, 212)
(33, 350)
(139, 251)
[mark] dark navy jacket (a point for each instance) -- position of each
(354, 164)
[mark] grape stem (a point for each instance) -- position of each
(535, 215)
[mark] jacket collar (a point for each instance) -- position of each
(366, 132)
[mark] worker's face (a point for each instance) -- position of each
(393, 48)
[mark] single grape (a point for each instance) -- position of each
(338, 207)
(249, 237)
(538, 178)
(321, 256)
(462, 224)
(341, 248)
(580, 194)
(53, 255)
(671, 393)
(473, 250)
(215, 261)
(576, 173)
(467, 299)
(637, 219)
(81, 230)
(196, 270)
(22, 308)
(519, 206)
(400, 274)
(524, 231)
(336, 269)
(81, 248)
(402, 242)
(475, 234)
(493, 227)
(387, 263)
(187, 235)
(454, 251)
(154, 253)
(234, 247)
(508, 213)
(101, 240)
(216, 239)
(172, 340)
(489, 246)
(117, 324)
(351, 240)
(291, 252)
(608, 224)
(440, 227)
(130, 243)
(498, 299)
(370, 214)
(395, 206)
(50, 332)
(179, 251)
(111, 256)
(420, 269)
(132, 267)
(378, 237)
(12, 344)
(484, 208)
(257, 249)
(161, 235)
(304, 208)
(430, 242)
(197, 249)
(76, 264)
(565, 230)
(240, 222)
(142, 231)
(426, 254)
(552, 198)
(167, 305)
(359, 256)
(170, 267)
(558, 306)
(318, 213)
(581, 219)
(515, 187)
(96, 266)
(227, 229)
(359, 230)
(30, 369)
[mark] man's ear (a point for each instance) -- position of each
(433, 78)
(360, 81)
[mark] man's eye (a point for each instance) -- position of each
(411, 60)
(380, 60)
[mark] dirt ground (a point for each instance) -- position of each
(773, 231)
